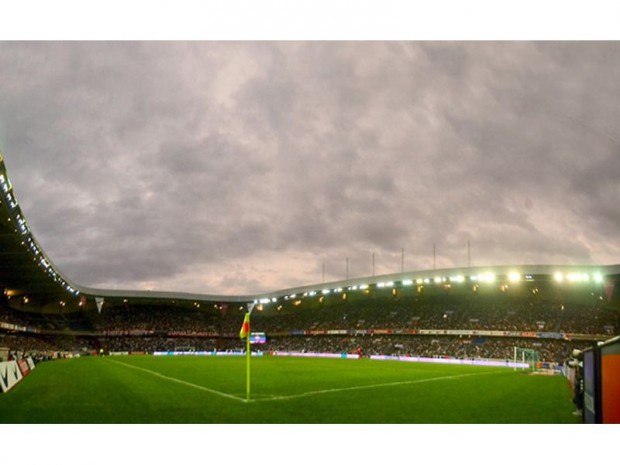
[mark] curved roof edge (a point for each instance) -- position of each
(25, 269)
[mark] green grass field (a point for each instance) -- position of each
(197, 390)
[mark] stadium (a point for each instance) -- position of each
(382, 349)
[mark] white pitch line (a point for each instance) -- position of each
(369, 386)
(179, 381)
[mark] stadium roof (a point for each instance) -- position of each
(28, 275)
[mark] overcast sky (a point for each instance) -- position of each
(243, 167)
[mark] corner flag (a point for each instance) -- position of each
(245, 328)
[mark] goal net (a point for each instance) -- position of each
(529, 356)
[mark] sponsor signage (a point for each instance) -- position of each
(9, 375)
(23, 366)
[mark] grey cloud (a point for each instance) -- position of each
(246, 165)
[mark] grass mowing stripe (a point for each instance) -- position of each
(370, 386)
(305, 394)
(91, 390)
(179, 381)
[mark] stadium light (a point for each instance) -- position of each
(487, 277)
(558, 276)
(597, 277)
(458, 279)
(514, 277)
(578, 277)
(407, 282)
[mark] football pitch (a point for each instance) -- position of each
(202, 390)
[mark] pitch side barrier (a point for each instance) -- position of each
(450, 361)
(453, 361)
(13, 372)
(205, 353)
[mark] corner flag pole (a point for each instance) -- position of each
(245, 333)
(248, 356)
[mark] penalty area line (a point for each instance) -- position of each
(179, 381)
(369, 386)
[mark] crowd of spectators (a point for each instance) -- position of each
(443, 312)
(440, 312)
(75, 321)
(447, 312)
(146, 328)
(44, 347)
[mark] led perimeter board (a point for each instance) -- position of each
(601, 376)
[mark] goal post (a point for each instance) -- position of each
(529, 356)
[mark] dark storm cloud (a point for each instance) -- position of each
(248, 166)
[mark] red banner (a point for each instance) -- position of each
(23, 366)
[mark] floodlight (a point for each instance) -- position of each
(487, 277)
(514, 277)
(437, 280)
(598, 277)
(458, 279)
(558, 276)
(578, 277)
(407, 282)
